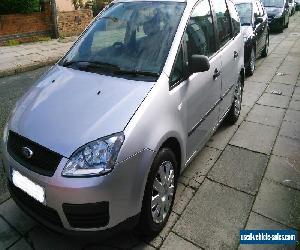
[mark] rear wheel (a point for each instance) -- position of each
(251, 67)
(235, 110)
(159, 193)
(265, 51)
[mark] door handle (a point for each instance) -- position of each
(217, 73)
(235, 54)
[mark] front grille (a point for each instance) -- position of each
(33, 207)
(43, 161)
(90, 215)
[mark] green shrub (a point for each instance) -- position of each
(19, 6)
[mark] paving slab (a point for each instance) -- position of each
(284, 171)
(7, 235)
(263, 74)
(214, 217)
(257, 221)
(254, 136)
(222, 136)
(4, 194)
(202, 163)
(295, 105)
(251, 87)
(288, 148)
(41, 238)
(286, 78)
(244, 112)
(279, 203)
(240, 168)
(292, 116)
(290, 129)
(266, 115)
(22, 244)
(173, 241)
(16, 217)
(296, 95)
(284, 89)
(272, 100)
(181, 202)
(249, 99)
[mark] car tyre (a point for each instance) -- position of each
(265, 51)
(235, 110)
(159, 193)
(251, 67)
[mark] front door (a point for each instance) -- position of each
(203, 89)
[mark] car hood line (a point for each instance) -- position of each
(93, 104)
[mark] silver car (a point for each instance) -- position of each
(99, 142)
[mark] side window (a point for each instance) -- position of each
(255, 9)
(260, 8)
(199, 35)
(178, 70)
(223, 21)
(235, 20)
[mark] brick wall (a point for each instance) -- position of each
(72, 23)
(22, 26)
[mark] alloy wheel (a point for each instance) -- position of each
(252, 61)
(162, 192)
(238, 99)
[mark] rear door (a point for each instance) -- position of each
(264, 25)
(229, 52)
(258, 29)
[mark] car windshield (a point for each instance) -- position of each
(245, 13)
(131, 38)
(273, 3)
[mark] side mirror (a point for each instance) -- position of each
(258, 20)
(198, 63)
(287, 5)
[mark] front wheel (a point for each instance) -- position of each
(265, 51)
(159, 193)
(235, 110)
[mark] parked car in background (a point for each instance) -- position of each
(297, 5)
(278, 14)
(255, 28)
(99, 142)
(292, 8)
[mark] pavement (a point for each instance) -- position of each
(29, 56)
(247, 176)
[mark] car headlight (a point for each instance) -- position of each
(95, 158)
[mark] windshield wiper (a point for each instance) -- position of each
(136, 73)
(245, 24)
(90, 64)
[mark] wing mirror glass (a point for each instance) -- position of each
(198, 63)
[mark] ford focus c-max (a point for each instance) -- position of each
(99, 142)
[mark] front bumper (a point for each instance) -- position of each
(121, 190)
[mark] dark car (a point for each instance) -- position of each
(278, 14)
(297, 5)
(254, 24)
